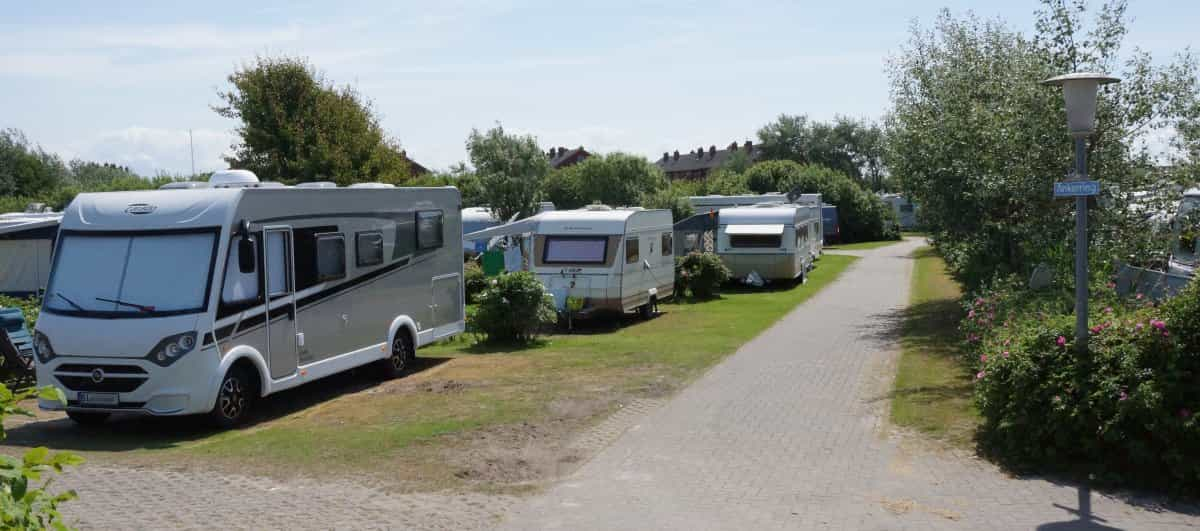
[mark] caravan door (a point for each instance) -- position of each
(447, 300)
(281, 306)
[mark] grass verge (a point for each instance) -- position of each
(932, 393)
(475, 416)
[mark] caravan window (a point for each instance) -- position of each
(691, 241)
(368, 249)
(631, 250)
(239, 287)
(668, 245)
(429, 229)
(575, 249)
(756, 240)
(331, 257)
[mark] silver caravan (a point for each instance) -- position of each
(26, 245)
(175, 302)
(704, 204)
(772, 241)
(618, 259)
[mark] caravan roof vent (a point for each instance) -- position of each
(233, 179)
(267, 184)
(372, 185)
(634, 208)
(317, 184)
(597, 207)
(184, 185)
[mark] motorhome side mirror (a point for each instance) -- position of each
(246, 255)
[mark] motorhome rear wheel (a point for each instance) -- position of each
(401, 360)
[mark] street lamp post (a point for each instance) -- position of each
(1079, 91)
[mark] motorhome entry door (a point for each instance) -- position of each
(281, 310)
(447, 299)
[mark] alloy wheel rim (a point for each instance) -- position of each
(233, 399)
(398, 354)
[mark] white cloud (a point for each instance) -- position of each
(148, 150)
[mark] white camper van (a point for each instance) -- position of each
(618, 259)
(174, 302)
(774, 241)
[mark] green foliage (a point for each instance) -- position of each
(1126, 411)
(31, 307)
(27, 170)
(852, 147)
(976, 141)
(700, 274)
(513, 308)
(24, 504)
(725, 182)
(670, 198)
(297, 127)
(561, 187)
(473, 280)
(511, 169)
(615, 179)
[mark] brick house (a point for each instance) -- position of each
(696, 164)
(561, 157)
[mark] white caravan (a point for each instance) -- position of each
(773, 241)
(26, 244)
(173, 302)
(817, 242)
(904, 208)
(476, 219)
(618, 259)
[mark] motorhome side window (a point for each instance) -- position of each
(368, 249)
(631, 250)
(240, 287)
(331, 257)
(429, 229)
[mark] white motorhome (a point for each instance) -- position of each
(618, 259)
(904, 208)
(775, 241)
(1185, 252)
(26, 245)
(173, 302)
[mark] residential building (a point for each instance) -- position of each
(561, 157)
(697, 164)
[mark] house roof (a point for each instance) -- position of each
(561, 156)
(703, 159)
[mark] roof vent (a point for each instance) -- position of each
(232, 179)
(317, 184)
(371, 185)
(597, 208)
(184, 185)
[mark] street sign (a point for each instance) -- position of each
(1076, 188)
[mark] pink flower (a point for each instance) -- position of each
(1112, 285)
(1096, 329)
(1166, 333)
(1140, 326)
(1007, 341)
(983, 358)
(1062, 341)
(979, 375)
(1057, 399)
(1108, 309)
(971, 314)
(978, 301)
(1139, 296)
(1161, 325)
(1005, 354)
(1123, 396)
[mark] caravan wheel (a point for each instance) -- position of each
(401, 360)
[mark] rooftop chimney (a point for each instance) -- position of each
(666, 155)
(700, 152)
(676, 154)
(749, 146)
(712, 151)
(733, 146)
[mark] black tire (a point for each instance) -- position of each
(401, 360)
(235, 398)
(88, 418)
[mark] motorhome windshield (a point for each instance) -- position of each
(117, 275)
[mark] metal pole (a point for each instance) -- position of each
(1081, 251)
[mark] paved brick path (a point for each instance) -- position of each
(789, 433)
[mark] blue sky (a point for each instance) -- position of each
(124, 81)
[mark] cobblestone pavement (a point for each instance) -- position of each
(789, 433)
(152, 499)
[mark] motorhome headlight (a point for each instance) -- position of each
(41, 346)
(171, 348)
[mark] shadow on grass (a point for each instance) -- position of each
(128, 431)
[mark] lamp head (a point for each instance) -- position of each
(1079, 91)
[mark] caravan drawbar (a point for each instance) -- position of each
(184, 301)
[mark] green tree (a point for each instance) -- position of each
(616, 179)
(511, 169)
(977, 141)
(562, 188)
(296, 126)
(850, 146)
(27, 170)
(670, 198)
(88, 174)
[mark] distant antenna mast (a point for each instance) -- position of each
(192, 148)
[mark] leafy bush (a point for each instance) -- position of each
(862, 216)
(31, 307)
(700, 273)
(1126, 411)
(513, 308)
(669, 198)
(22, 505)
(473, 280)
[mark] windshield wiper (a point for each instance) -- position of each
(69, 301)
(141, 307)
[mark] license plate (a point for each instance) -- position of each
(98, 399)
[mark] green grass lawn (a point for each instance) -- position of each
(933, 383)
(468, 401)
(861, 246)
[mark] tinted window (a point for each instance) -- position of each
(239, 287)
(306, 254)
(755, 240)
(406, 237)
(368, 248)
(574, 250)
(331, 256)
(631, 250)
(667, 242)
(429, 229)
